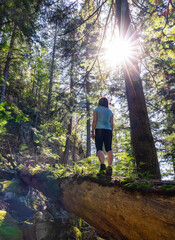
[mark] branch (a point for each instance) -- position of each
(88, 71)
(90, 29)
(84, 20)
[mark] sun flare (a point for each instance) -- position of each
(118, 51)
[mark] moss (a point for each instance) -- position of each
(6, 185)
(168, 187)
(103, 180)
(158, 187)
(77, 233)
(11, 186)
(50, 183)
(2, 215)
(145, 187)
(15, 186)
(8, 229)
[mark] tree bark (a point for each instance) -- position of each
(52, 70)
(68, 143)
(71, 105)
(87, 91)
(7, 66)
(170, 115)
(141, 136)
(88, 124)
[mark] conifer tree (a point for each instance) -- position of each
(141, 136)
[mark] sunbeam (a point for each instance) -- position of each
(119, 51)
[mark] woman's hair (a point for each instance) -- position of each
(104, 102)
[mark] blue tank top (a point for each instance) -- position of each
(104, 115)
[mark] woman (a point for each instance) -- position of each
(103, 126)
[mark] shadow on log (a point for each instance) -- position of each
(132, 210)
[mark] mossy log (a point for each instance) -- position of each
(117, 209)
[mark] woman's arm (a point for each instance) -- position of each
(94, 122)
(112, 122)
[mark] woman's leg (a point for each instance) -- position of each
(99, 145)
(101, 156)
(110, 157)
(108, 144)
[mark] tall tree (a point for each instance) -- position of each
(88, 113)
(141, 136)
(7, 65)
(52, 69)
(71, 52)
(158, 35)
(90, 37)
(18, 18)
(56, 18)
(71, 105)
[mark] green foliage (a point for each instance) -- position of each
(124, 165)
(9, 112)
(50, 139)
(77, 232)
(168, 187)
(8, 228)
(141, 186)
(20, 116)
(145, 175)
(87, 166)
(5, 116)
(36, 169)
(60, 171)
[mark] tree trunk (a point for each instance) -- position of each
(170, 115)
(52, 70)
(68, 143)
(88, 124)
(113, 210)
(141, 136)
(71, 103)
(7, 66)
(74, 149)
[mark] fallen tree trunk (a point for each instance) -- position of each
(114, 211)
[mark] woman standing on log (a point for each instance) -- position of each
(103, 126)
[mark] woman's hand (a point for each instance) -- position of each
(93, 135)
(112, 122)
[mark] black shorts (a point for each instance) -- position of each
(103, 136)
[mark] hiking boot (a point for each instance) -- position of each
(102, 167)
(102, 171)
(109, 171)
